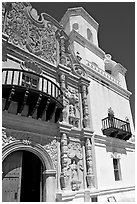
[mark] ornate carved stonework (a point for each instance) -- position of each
(79, 70)
(64, 162)
(75, 165)
(73, 106)
(89, 161)
(85, 106)
(5, 138)
(51, 148)
(23, 31)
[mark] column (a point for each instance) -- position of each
(62, 77)
(62, 45)
(89, 161)
(84, 165)
(64, 161)
(85, 106)
(49, 192)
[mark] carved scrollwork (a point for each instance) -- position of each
(51, 148)
(6, 139)
(24, 32)
(79, 70)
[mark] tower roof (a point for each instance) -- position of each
(79, 11)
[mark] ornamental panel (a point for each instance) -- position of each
(33, 35)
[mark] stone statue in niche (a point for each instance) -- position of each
(74, 110)
(74, 174)
(75, 165)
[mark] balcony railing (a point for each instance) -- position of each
(115, 127)
(30, 91)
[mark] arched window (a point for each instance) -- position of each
(89, 35)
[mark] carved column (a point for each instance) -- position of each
(64, 161)
(62, 50)
(60, 35)
(89, 161)
(85, 106)
(84, 164)
(62, 80)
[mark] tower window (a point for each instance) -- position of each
(89, 35)
(75, 26)
(117, 172)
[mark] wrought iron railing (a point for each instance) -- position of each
(112, 122)
(31, 80)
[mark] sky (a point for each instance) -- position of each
(116, 32)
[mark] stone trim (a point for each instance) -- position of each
(68, 195)
(38, 150)
(104, 140)
(50, 172)
(112, 86)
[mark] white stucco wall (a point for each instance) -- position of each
(91, 57)
(101, 98)
(105, 171)
(86, 54)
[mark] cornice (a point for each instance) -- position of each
(74, 132)
(112, 84)
(113, 142)
(79, 11)
(75, 36)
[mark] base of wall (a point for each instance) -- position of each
(126, 194)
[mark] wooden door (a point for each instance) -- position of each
(11, 181)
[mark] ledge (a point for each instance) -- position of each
(75, 36)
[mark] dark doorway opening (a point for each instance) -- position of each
(30, 181)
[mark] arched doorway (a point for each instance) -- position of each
(22, 177)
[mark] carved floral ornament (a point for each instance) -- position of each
(51, 149)
(24, 30)
(79, 70)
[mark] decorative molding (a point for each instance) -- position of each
(115, 155)
(97, 76)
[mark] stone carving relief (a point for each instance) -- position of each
(75, 166)
(6, 139)
(71, 163)
(71, 112)
(51, 148)
(79, 70)
(23, 31)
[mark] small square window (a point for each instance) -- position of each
(94, 199)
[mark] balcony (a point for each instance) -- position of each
(117, 128)
(31, 95)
